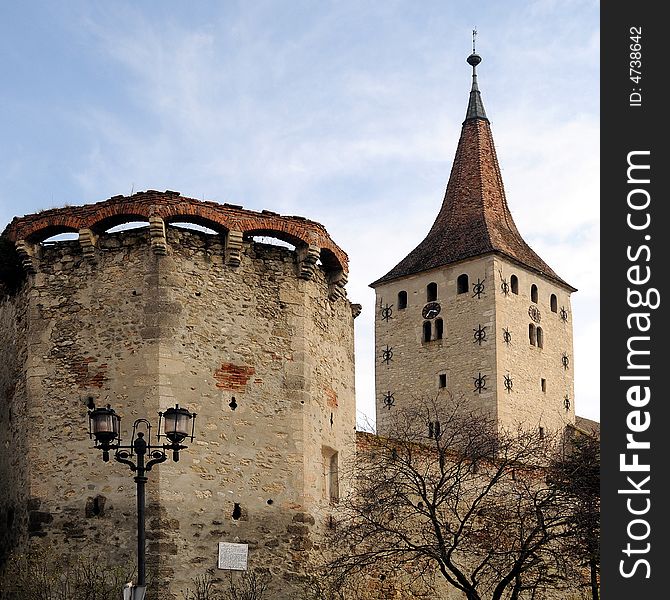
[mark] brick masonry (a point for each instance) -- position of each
(171, 207)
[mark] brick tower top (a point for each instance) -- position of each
(474, 218)
(172, 207)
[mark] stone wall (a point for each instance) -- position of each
(263, 353)
(415, 368)
(17, 513)
(526, 364)
(463, 355)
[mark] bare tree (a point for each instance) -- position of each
(577, 474)
(453, 495)
(47, 574)
(246, 585)
(251, 585)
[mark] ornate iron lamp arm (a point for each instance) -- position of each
(122, 457)
(104, 426)
(158, 456)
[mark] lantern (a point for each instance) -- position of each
(178, 424)
(104, 425)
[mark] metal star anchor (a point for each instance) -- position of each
(504, 286)
(565, 360)
(507, 336)
(478, 288)
(508, 383)
(480, 383)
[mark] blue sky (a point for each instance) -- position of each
(347, 113)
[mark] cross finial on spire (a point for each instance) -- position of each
(475, 106)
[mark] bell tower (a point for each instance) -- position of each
(473, 312)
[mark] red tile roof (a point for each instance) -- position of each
(474, 219)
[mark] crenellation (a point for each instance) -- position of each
(170, 207)
(157, 234)
(88, 242)
(337, 282)
(307, 258)
(234, 248)
(28, 254)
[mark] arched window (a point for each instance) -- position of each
(439, 329)
(531, 334)
(431, 292)
(533, 293)
(402, 300)
(514, 283)
(427, 331)
(462, 285)
(553, 301)
(539, 334)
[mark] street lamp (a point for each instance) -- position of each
(104, 427)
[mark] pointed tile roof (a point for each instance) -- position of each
(474, 218)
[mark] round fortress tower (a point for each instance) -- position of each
(256, 339)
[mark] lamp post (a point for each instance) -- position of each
(176, 425)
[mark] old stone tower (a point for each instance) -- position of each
(473, 310)
(256, 339)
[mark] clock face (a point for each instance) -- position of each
(431, 310)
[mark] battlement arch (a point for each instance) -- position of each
(235, 223)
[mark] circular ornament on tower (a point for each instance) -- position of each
(431, 310)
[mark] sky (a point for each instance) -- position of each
(347, 113)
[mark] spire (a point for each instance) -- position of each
(475, 104)
(474, 218)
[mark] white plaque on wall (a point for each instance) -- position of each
(233, 556)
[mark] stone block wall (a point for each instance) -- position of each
(473, 345)
(526, 364)
(414, 371)
(260, 349)
(16, 510)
